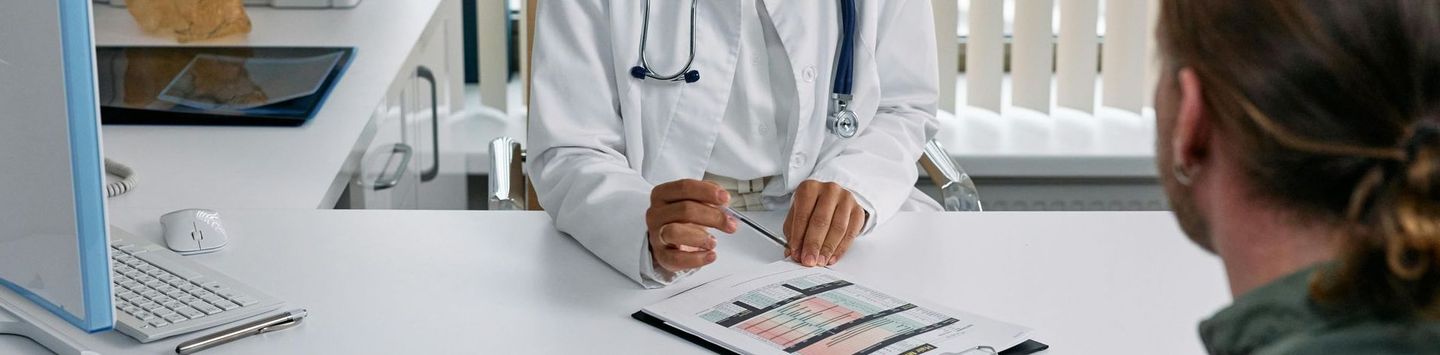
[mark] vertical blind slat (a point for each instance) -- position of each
(947, 14)
(1032, 54)
(985, 54)
(1078, 55)
(1124, 65)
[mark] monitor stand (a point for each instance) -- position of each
(14, 321)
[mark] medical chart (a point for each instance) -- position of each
(787, 308)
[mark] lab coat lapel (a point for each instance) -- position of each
(808, 31)
(684, 153)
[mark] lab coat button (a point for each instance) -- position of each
(797, 161)
(808, 74)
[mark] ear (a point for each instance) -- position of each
(1192, 123)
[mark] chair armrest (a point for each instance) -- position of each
(507, 175)
(957, 191)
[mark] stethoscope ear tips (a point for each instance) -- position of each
(691, 76)
(639, 72)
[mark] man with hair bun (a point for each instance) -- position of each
(1299, 140)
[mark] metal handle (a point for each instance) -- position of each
(507, 179)
(434, 170)
(404, 150)
(957, 191)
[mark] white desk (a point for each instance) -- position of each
(270, 167)
(394, 282)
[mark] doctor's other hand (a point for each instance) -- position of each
(824, 219)
(678, 221)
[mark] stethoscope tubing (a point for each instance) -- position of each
(841, 122)
(845, 66)
(645, 37)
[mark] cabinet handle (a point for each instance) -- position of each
(384, 183)
(434, 170)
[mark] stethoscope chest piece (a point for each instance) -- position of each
(842, 121)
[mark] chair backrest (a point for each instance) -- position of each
(532, 202)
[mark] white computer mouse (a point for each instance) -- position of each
(194, 231)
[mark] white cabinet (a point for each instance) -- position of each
(410, 163)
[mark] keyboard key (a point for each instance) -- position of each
(187, 287)
(131, 310)
(155, 284)
(227, 305)
(175, 318)
(144, 316)
(229, 293)
(152, 306)
(174, 305)
(190, 312)
(212, 298)
(208, 309)
(158, 322)
(164, 312)
(170, 265)
(245, 301)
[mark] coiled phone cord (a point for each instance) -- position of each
(126, 175)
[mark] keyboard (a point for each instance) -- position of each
(160, 294)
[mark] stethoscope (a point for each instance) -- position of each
(841, 122)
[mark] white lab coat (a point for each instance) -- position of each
(600, 140)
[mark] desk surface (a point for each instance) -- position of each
(268, 167)
(379, 282)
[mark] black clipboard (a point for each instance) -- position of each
(1025, 348)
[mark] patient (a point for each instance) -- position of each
(1300, 142)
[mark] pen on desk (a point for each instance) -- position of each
(273, 323)
(756, 226)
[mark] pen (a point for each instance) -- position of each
(758, 228)
(273, 323)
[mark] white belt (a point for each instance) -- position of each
(744, 194)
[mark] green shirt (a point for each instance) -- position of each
(1281, 319)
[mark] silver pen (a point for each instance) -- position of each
(757, 226)
(273, 323)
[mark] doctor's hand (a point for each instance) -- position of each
(824, 219)
(678, 220)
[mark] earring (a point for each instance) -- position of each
(1181, 175)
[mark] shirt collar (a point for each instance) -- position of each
(1263, 316)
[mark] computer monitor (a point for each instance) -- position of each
(54, 248)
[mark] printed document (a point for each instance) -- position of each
(788, 308)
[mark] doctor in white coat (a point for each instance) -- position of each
(637, 169)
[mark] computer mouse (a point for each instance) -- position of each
(194, 231)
